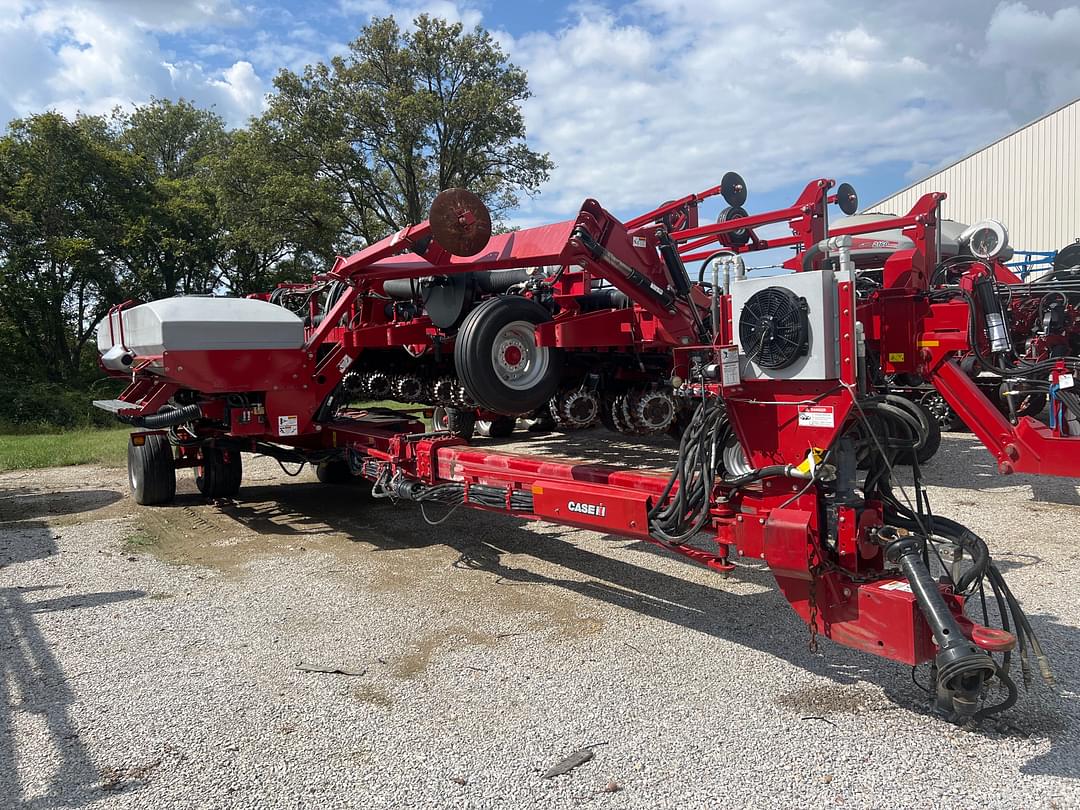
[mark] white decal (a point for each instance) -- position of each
(595, 509)
(639, 242)
(729, 367)
(816, 416)
(895, 585)
(287, 425)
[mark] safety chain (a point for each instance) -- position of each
(814, 566)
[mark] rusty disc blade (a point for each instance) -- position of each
(460, 222)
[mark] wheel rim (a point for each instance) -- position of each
(518, 362)
(440, 419)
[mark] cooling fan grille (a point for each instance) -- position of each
(773, 328)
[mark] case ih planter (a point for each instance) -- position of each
(787, 447)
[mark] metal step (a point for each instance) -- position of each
(115, 405)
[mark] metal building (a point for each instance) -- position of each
(1029, 180)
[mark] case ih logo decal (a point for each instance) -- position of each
(595, 509)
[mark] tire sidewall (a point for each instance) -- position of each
(472, 356)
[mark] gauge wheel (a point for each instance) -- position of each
(929, 426)
(334, 471)
(500, 427)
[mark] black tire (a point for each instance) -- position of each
(500, 427)
(606, 419)
(334, 471)
(540, 421)
(220, 473)
(933, 437)
(931, 427)
(151, 472)
(495, 323)
(461, 423)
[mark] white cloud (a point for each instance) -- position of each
(406, 12)
(92, 56)
(663, 96)
(636, 101)
(1038, 53)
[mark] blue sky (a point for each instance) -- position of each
(636, 101)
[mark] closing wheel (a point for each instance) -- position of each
(497, 358)
(219, 472)
(459, 421)
(944, 415)
(150, 470)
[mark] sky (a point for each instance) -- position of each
(637, 102)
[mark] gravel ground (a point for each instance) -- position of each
(148, 658)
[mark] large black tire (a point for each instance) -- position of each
(151, 471)
(497, 358)
(334, 471)
(220, 473)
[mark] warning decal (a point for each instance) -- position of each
(286, 425)
(895, 585)
(729, 366)
(816, 416)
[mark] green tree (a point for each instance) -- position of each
(172, 244)
(277, 224)
(66, 194)
(404, 115)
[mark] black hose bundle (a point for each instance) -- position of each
(884, 431)
(675, 518)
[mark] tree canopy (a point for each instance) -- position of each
(164, 199)
(404, 115)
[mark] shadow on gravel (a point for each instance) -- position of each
(966, 453)
(761, 621)
(27, 505)
(34, 693)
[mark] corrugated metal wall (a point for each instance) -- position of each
(1029, 180)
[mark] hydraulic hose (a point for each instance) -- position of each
(171, 418)
(771, 471)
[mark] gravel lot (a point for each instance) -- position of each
(148, 658)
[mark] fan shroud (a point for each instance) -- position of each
(774, 328)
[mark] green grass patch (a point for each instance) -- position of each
(138, 540)
(89, 446)
(104, 446)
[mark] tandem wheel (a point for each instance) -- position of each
(151, 471)
(219, 472)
